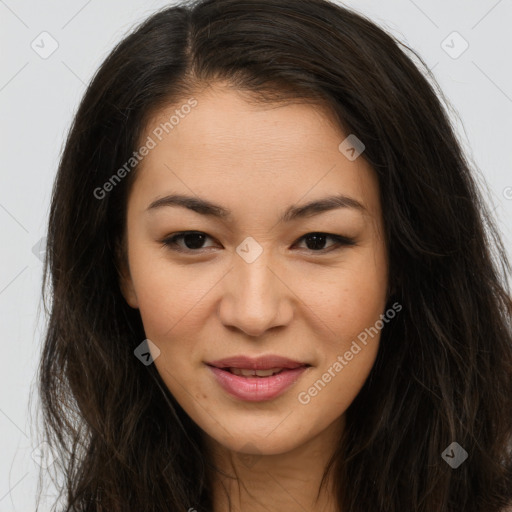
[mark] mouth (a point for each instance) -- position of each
(250, 373)
(258, 379)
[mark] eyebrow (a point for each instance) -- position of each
(205, 207)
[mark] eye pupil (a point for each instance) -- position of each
(318, 241)
(194, 245)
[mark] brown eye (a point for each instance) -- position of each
(316, 241)
(193, 240)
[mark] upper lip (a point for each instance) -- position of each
(257, 363)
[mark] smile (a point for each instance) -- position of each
(256, 385)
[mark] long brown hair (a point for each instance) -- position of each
(443, 373)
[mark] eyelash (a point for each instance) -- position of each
(342, 241)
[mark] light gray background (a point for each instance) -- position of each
(39, 96)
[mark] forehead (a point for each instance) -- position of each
(226, 119)
(231, 150)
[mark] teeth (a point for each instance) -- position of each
(254, 373)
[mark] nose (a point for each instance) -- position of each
(255, 297)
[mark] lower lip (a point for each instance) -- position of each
(257, 389)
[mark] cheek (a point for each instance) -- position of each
(168, 294)
(351, 306)
(353, 315)
(351, 298)
(157, 302)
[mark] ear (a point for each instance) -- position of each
(128, 290)
(124, 276)
(393, 286)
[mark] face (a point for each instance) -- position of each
(259, 275)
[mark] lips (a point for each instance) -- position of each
(257, 379)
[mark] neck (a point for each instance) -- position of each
(284, 482)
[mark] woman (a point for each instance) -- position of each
(206, 349)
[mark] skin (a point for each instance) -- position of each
(305, 304)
